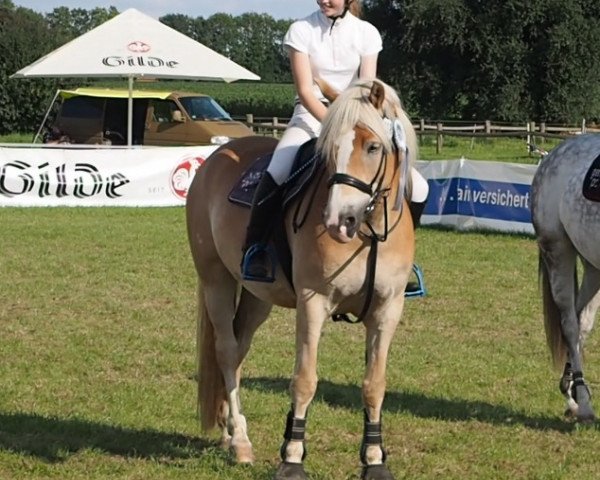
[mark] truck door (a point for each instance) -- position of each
(165, 126)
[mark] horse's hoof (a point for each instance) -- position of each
(585, 413)
(376, 472)
(243, 453)
(225, 442)
(569, 415)
(290, 471)
(586, 418)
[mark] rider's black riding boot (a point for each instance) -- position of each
(416, 210)
(257, 263)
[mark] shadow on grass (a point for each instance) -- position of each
(55, 439)
(419, 405)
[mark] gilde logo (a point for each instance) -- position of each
(183, 174)
(138, 46)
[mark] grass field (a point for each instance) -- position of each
(97, 326)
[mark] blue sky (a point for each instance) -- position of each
(279, 9)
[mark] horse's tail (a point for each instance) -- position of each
(212, 395)
(552, 325)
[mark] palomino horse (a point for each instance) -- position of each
(364, 143)
(566, 218)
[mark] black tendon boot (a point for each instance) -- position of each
(416, 288)
(257, 263)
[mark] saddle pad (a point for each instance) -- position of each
(305, 166)
(591, 182)
(243, 191)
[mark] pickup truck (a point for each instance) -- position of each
(167, 118)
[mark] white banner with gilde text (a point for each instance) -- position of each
(33, 176)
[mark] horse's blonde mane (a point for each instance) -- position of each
(352, 106)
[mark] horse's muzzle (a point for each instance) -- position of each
(343, 228)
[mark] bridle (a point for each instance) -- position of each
(376, 191)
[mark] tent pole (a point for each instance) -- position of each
(37, 134)
(130, 112)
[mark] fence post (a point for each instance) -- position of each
(275, 123)
(488, 127)
(421, 129)
(440, 139)
(583, 126)
(543, 131)
(532, 129)
(250, 121)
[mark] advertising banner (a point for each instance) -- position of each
(463, 194)
(471, 194)
(136, 177)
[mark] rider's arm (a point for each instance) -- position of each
(368, 67)
(303, 80)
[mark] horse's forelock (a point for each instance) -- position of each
(350, 108)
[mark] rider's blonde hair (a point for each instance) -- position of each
(354, 7)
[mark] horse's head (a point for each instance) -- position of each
(365, 139)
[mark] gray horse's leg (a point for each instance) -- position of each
(561, 264)
(588, 300)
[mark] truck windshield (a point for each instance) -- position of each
(204, 108)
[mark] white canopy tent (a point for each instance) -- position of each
(134, 45)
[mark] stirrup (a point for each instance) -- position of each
(251, 255)
(419, 289)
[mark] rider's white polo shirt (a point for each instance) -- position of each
(334, 51)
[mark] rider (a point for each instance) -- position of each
(335, 45)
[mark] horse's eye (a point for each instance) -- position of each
(373, 148)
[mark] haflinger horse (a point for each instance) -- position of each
(352, 255)
(566, 218)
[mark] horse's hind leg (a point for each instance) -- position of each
(250, 315)
(560, 263)
(234, 322)
(588, 300)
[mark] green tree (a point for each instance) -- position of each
(68, 24)
(24, 37)
(258, 46)
(502, 59)
(566, 83)
(251, 40)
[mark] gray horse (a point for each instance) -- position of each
(565, 207)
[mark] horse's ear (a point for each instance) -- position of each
(377, 94)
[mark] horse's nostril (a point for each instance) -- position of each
(350, 222)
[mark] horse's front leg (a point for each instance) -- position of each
(311, 314)
(381, 326)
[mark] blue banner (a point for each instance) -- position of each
(467, 194)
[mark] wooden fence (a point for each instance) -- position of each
(532, 132)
